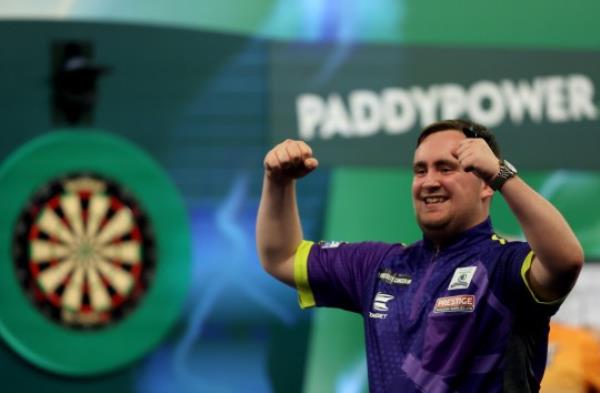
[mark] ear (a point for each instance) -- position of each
(486, 191)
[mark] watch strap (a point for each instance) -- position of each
(503, 175)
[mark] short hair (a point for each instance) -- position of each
(467, 127)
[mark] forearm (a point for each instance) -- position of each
(548, 233)
(278, 228)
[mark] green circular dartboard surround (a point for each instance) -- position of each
(161, 239)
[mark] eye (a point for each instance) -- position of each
(419, 171)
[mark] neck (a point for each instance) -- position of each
(442, 237)
(439, 238)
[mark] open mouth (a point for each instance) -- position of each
(432, 200)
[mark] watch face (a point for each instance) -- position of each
(510, 166)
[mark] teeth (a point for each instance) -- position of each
(434, 199)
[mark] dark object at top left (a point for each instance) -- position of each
(74, 83)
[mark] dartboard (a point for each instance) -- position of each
(84, 251)
(94, 252)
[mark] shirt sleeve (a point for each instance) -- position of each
(516, 260)
(337, 274)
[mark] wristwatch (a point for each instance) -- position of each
(507, 170)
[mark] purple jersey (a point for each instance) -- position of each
(458, 319)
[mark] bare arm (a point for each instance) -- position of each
(278, 227)
(558, 254)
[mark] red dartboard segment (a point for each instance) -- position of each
(76, 235)
(34, 232)
(34, 268)
(54, 202)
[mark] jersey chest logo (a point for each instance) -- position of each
(452, 304)
(380, 305)
(380, 302)
(389, 277)
(462, 277)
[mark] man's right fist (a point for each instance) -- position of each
(289, 160)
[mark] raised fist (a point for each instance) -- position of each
(475, 155)
(289, 160)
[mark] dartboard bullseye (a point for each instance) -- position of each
(84, 251)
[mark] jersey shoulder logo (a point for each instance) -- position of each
(498, 239)
(462, 277)
(330, 244)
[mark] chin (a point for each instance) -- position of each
(433, 225)
(433, 221)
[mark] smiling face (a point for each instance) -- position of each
(447, 200)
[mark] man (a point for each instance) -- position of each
(463, 310)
